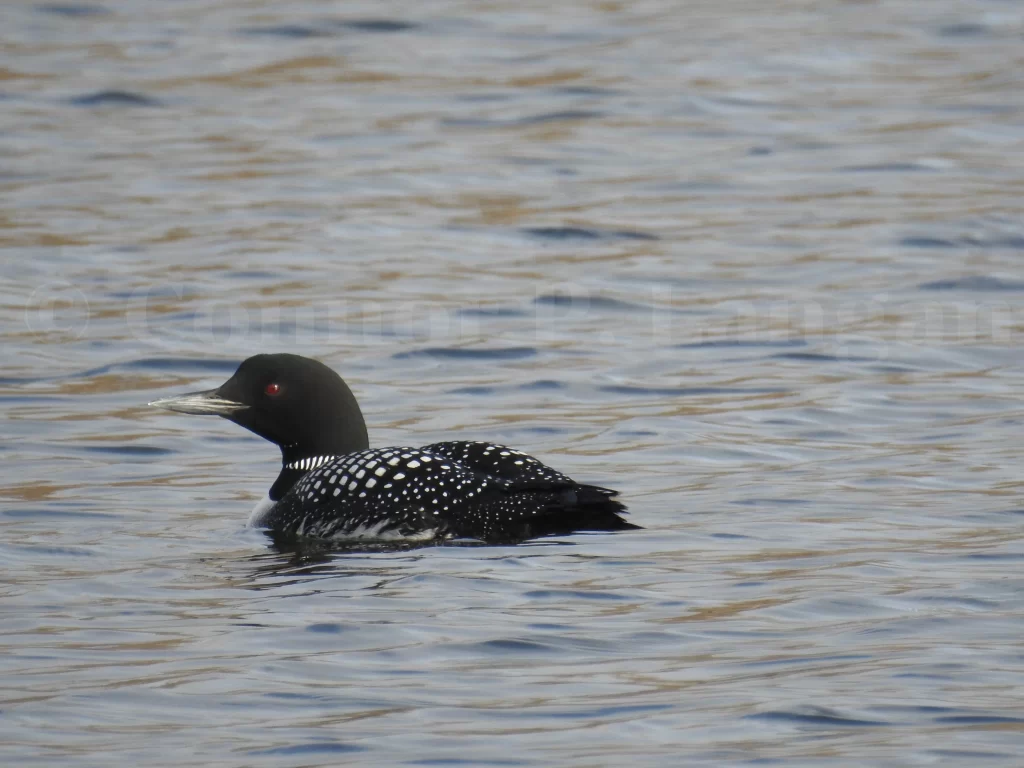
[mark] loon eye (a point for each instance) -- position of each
(273, 389)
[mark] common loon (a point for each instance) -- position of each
(332, 485)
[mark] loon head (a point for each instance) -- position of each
(296, 402)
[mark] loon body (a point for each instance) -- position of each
(332, 485)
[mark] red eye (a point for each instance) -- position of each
(273, 389)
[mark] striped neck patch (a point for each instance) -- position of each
(310, 462)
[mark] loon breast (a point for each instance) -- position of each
(262, 513)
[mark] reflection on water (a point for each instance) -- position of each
(756, 265)
(300, 555)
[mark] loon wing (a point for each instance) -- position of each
(530, 499)
(520, 469)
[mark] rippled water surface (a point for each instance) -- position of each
(756, 264)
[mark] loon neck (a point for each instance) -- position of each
(311, 458)
(285, 480)
(292, 468)
(292, 471)
(296, 462)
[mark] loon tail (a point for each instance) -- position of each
(579, 508)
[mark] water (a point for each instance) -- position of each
(756, 265)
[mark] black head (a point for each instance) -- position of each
(296, 402)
